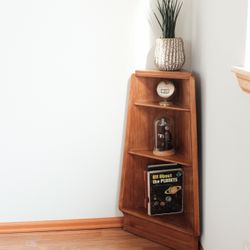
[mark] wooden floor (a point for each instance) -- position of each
(104, 239)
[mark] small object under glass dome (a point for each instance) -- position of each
(163, 138)
(165, 89)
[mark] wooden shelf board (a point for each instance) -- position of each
(176, 158)
(163, 74)
(158, 106)
(176, 222)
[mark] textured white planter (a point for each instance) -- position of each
(169, 53)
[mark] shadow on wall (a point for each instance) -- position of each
(199, 133)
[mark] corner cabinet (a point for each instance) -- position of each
(176, 231)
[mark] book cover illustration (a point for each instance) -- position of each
(165, 190)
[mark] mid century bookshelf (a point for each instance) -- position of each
(178, 231)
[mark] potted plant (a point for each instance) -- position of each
(169, 50)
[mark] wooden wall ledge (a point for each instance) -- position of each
(243, 76)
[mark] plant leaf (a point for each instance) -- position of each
(169, 11)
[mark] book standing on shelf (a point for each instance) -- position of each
(164, 189)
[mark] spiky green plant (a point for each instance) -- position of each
(169, 11)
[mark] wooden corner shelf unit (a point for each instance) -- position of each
(177, 231)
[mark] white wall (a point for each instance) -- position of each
(65, 67)
(64, 71)
(219, 29)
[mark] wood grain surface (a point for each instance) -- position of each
(143, 110)
(104, 239)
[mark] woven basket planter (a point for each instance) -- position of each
(169, 54)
